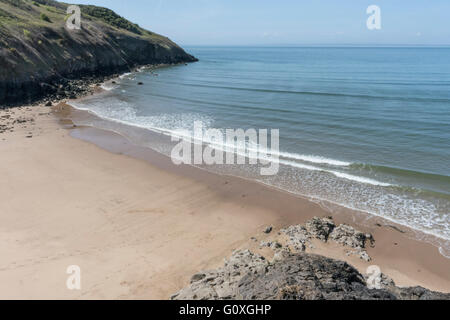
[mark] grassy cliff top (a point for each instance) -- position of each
(24, 18)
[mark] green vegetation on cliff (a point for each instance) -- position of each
(111, 18)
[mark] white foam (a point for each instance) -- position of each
(160, 123)
(314, 159)
(360, 179)
(125, 75)
(107, 87)
(444, 252)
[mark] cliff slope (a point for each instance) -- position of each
(38, 52)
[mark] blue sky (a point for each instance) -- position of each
(288, 22)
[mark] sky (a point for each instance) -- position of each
(288, 22)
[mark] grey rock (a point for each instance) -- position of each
(290, 276)
(268, 230)
(361, 253)
(222, 283)
(308, 277)
(349, 236)
(320, 228)
(298, 237)
(364, 255)
(198, 277)
(274, 245)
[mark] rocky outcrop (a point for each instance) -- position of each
(320, 228)
(326, 230)
(295, 276)
(299, 237)
(40, 57)
(223, 282)
(350, 237)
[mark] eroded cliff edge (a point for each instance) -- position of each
(39, 55)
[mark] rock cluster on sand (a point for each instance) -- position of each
(320, 228)
(294, 274)
(297, 276)
(326, 230)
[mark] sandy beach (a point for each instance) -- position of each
(139, 227)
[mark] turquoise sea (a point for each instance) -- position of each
(367, 128)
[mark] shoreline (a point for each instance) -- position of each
(140, 226)
(392, 234)
(84, 115)
(63, 89)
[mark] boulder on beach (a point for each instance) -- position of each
(326, 230)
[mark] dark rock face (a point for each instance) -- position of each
(298, 276)
(308, 277)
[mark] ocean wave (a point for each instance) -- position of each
(314, 159)
(338, 174)
(360, 179)
(156, 124)
(108, 87)
(125, 75)
(401, 172)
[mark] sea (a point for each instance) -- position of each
(366, 128)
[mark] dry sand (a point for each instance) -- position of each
(138, 226)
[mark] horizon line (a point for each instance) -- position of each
(315, 45)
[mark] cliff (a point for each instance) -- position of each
(39, 54)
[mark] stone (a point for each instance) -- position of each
(349, 236)
(268, 230)
(197, 277)
(298, 237)
(274, 245)
(320, 228)
(364, 255)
